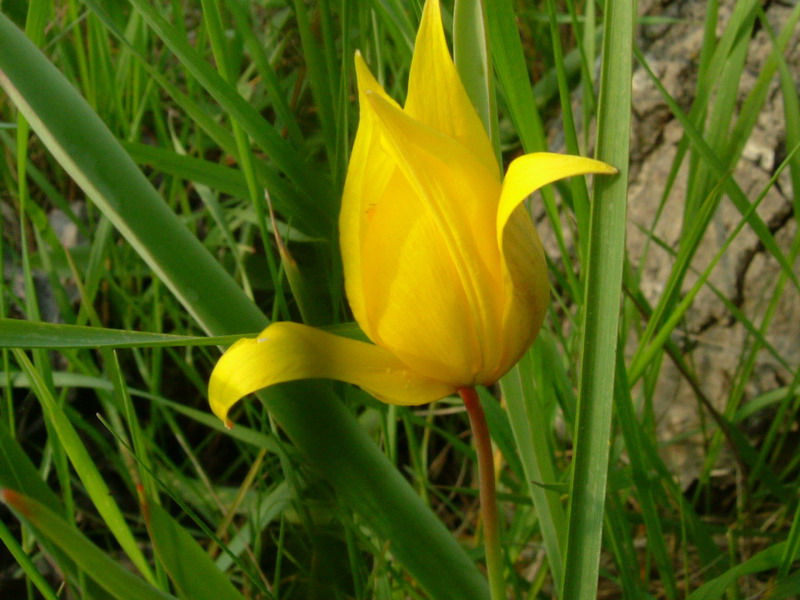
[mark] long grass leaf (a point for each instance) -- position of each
(26, 563)
(183, 558)
(15, 333)
(113, 577)
(95, 486)
(762, 561)
(529, 426)
(601, 314)
(472, 55)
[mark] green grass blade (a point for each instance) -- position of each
(580, 195)
(472, 55)
(515, 86)
(640, 472)
(512, 74)
(219, 43)
(377, 491)
(319, 76)
(25, 562)
(312, 214)
(601, 314)
(395, 17)
(94, 484)
(113, 577)
(286, 158)
(258, 53)
(15, 333)
(529, 426)
(184, 559)
(792, 549)
(218, 177)
(763, 561)
(18, 472)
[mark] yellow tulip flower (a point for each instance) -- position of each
(443, 268)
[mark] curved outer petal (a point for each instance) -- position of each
(368, 175)
(432, 274)
(290, 351)
(436, 95)
(523, 263)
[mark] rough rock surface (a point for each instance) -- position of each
(746, 274)
(714, 343)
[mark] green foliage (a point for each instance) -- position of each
(150, 131)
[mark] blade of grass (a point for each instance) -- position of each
(472, 55)
(219, 177)
(114, 578)
(25, 562)
(182, 557)
(395, 16)
(19, 473)
(257, 51)
(646, 352)
(512, 74)
(645, 490)
(213, 21)
(319, 77)
(730, 187)
(529, 425)
(577, 185)
(762, 561)
(16, 333)
(601, 313)
(94, 484)
(285, 157)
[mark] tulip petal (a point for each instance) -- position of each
(524, 266)
(290, 351)
(415, 302)
(530, 172)
(453, 198)
(368, 174)
(436, 95)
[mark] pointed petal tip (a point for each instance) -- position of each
(220, 411)
(359, 61)
(606, 169)
(380, 104)
(598, 167)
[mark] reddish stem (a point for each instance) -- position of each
(488, 497)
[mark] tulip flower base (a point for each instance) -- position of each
(488, 496)
(426, 220)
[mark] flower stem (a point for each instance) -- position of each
(491, 529)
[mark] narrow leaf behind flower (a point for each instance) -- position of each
(601, 313)
(473, 59)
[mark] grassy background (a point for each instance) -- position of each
(216, 101)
